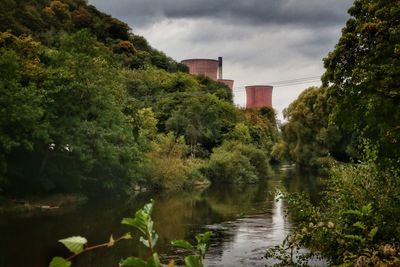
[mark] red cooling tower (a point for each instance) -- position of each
(227, 82)
(258, 96)
(207, 67)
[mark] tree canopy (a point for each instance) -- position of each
(363, 75)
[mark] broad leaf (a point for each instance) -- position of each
(59, 262)
(154, 261)
(133, 262)
(182, 244)
(193, 261)
(74, 244)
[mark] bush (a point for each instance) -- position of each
(358, 222)
(167, 165)
(234, 162)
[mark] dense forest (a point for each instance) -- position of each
(88, 106)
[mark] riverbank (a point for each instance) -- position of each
(40, 203)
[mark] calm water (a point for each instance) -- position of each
(245, 220)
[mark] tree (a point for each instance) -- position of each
(202, 119)
(363, 72)
(308, 138)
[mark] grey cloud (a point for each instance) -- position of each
(253, 12)
(261, 40)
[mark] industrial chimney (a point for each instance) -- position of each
(258, 96)
(206, 67)
(227, 82)
(220, 68)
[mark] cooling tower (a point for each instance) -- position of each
(207, 67)
(258, 96)
(227, 82)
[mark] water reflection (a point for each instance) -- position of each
(245, 219)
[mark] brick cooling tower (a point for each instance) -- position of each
(227, 82)
(207, 67)
(258, 96)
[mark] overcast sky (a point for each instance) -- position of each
(261, 41)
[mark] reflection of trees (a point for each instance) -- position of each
(176, 215)
(305, 181)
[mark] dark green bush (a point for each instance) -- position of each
(235, 162)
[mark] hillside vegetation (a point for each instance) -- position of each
(87, 106)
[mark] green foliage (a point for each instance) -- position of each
(308, 138)
(234, 162)
(262, 127)
(74, 244)
(199, 251)
(202, 119)
(167, 165)
(240, 133)
(76, 104)
(143, 222)
(90, 107)
(60, 262)
(45, 19)
(364, 75)
(357, 218)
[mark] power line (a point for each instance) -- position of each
(241, 89)
(296, 80)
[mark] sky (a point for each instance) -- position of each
(261, 41)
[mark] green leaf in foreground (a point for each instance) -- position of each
(154, 261)
(132, 262)
(74, 244)
(193, 261)
(182, 244)
(59, 262)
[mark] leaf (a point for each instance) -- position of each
(202, 248)
(132, 261)
(139, 222)
(353, 212)
(74, 244)
(148, 208)
(144, 241)
(372, 233)
(203, 242)
(367, 209)
(59, 262)
(204, 238)
(182, 244)
(360, 225)
(154, 261)
(154, 238)
(193, 261)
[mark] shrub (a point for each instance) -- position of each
(357, 224)
(234, 162)
(167, 165)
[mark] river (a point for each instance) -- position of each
(245, 220)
